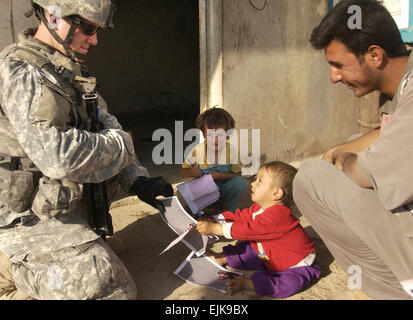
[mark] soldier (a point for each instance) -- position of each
(61, 156)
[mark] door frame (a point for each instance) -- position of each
(211, 53)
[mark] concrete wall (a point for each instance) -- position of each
(274, 81)
(13, 20)
(148, 63)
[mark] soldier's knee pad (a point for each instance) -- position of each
(88, 272)
(112, 279)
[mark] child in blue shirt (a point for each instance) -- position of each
(215, 156)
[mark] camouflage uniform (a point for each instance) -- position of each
(44, 224)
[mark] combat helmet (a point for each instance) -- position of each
(99, 12)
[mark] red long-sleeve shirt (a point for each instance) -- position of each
(283, 239)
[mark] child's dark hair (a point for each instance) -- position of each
(285, 173)
(214, 118)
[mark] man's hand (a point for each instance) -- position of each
(346, 161)
(334, 157)
(207, 228)
(147, 189)
(349, 166)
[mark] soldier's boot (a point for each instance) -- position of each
(8, 290)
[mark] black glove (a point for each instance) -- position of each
(148, 188)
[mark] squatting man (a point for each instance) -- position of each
(359, 199)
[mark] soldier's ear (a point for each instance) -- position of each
(54, 21)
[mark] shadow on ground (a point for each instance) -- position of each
(154, 274)
(145, 236)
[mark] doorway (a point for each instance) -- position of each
(148, 68)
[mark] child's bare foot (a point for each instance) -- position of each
(239, 284)
(219, 258)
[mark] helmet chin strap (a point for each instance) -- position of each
(69, 38)
(80, 57)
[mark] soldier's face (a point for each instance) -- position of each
(84, 36)
(81, 42)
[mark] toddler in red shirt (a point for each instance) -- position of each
(277, 246)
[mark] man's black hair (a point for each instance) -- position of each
(378, 28)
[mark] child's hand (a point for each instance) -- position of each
(195, 171)
(207, 228)
(216, 175)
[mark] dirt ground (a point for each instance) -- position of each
(145, 235)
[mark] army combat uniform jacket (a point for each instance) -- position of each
(43, 211)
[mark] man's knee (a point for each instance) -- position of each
(309, 171)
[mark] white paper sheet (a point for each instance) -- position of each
(179, 220)
(204, 271)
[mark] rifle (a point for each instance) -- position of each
(102, 220)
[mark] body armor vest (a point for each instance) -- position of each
(18, 175)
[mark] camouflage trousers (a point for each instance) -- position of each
(88, 271)
(77, 264)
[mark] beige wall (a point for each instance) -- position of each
(274, 81)
(13, 20)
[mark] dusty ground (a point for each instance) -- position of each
(145, 235)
